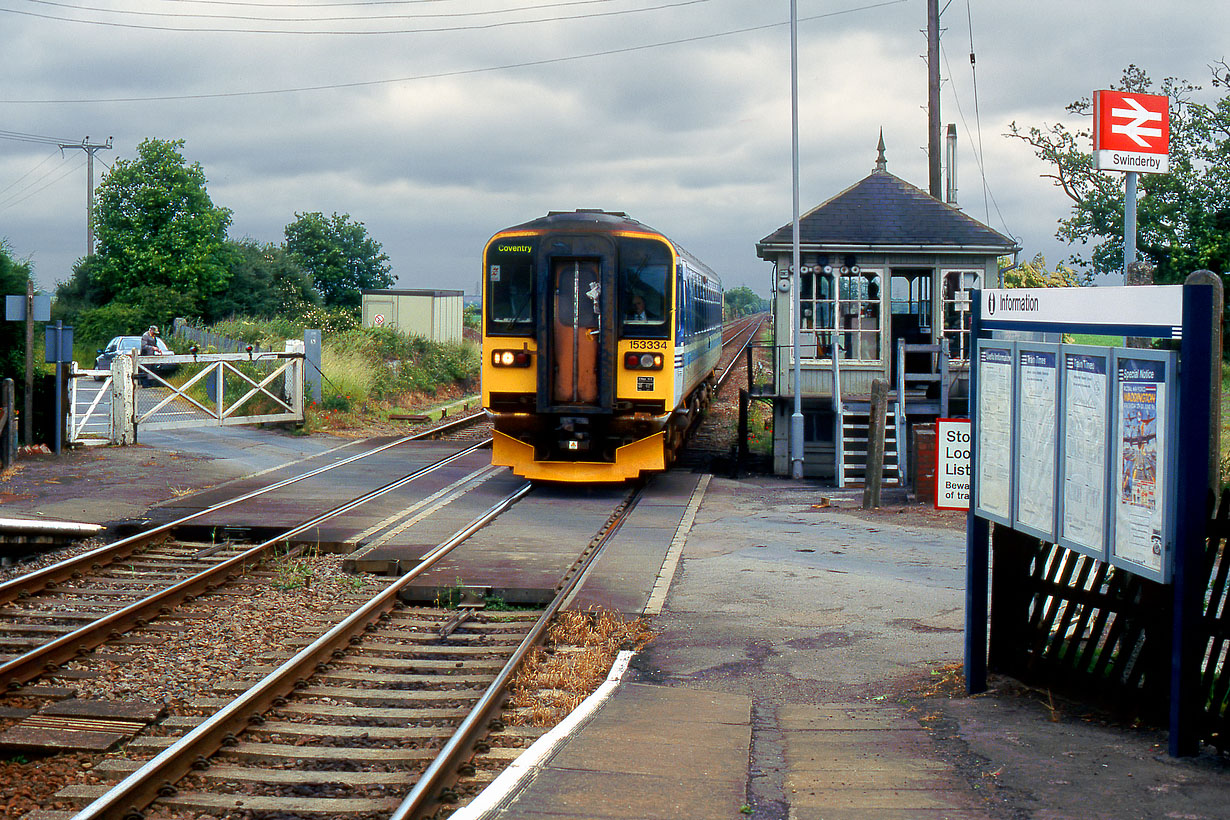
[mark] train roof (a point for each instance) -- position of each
(612, 221)
(589, 218)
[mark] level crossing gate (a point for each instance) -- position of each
(207, 389)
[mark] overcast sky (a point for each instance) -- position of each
(438, 122)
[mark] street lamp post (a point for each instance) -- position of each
(796, 420)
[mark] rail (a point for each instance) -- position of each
(33, 663)
(142, 786)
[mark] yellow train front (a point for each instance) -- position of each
(600, 340)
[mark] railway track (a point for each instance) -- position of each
(68, 609)
(389, 712)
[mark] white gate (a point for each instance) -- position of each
(152, 393)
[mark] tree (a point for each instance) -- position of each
(266, 281)
(742, 301)
(1183, 217)
(1034, 274)
(156, 226)
(14, 277)
(339, 255)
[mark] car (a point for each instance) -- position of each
(123, 345)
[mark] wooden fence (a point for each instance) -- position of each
(1067, 622)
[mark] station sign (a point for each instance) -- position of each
(1146, 310)
(1131, 132)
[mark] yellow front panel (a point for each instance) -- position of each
(508, 379)
(631, 384)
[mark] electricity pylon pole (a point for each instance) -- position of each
(89, 149)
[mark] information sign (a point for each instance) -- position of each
(994, 431)
(1037, 431)
(1142, 407)
(1086, 443)
(1146, 310)
(952, 464)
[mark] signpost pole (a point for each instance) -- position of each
(59, 393)
(27, 412)
(1129, 222)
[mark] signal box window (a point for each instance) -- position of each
(849, 323)
(509, 281)
(644, 288)
(957, 316)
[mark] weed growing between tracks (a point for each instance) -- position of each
(581, 646)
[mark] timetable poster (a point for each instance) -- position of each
(1086, 412)
(1039, 426)
(1140, 414)
(994, 431)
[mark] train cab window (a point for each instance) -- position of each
(644, 288)
(508, 276)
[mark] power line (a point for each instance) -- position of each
(356, 33)
(266, 18)
(21, 196)
(19, 136)
(456, 73)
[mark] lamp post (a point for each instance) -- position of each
(796, 420)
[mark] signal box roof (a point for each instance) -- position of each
(884, 212)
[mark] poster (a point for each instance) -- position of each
(994, 432)
(1140, 451)
(952, 442)
(1036, 446)
(1086, 412)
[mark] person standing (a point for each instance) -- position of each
(149, 342)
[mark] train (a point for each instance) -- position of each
(600, 341)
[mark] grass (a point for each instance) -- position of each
(581, 647)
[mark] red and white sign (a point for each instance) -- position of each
(378, 319)
(1131, 132)
(952, 444)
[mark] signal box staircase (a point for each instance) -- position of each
(913, 396)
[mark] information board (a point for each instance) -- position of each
(1140, 538)
(1037, 432)
(994, 430)
(1085, 420)
(952, 464)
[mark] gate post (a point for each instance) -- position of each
(123, 402)
(311, 363)
(8, 425)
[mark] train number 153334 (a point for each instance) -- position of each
(648, 344)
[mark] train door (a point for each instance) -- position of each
(576, 331)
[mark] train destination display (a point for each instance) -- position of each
(994, 431)
(1086, 420)
(1141, 447)
(1037, 429)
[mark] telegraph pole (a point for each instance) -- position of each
(933, 99)
(89, 149)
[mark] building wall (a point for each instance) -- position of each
(435, 315)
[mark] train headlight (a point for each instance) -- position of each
(511, 358)
(643, 361)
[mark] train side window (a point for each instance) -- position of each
(644, 288)
(509, 284)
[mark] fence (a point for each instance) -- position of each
(207, 340)
(1068, 622)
